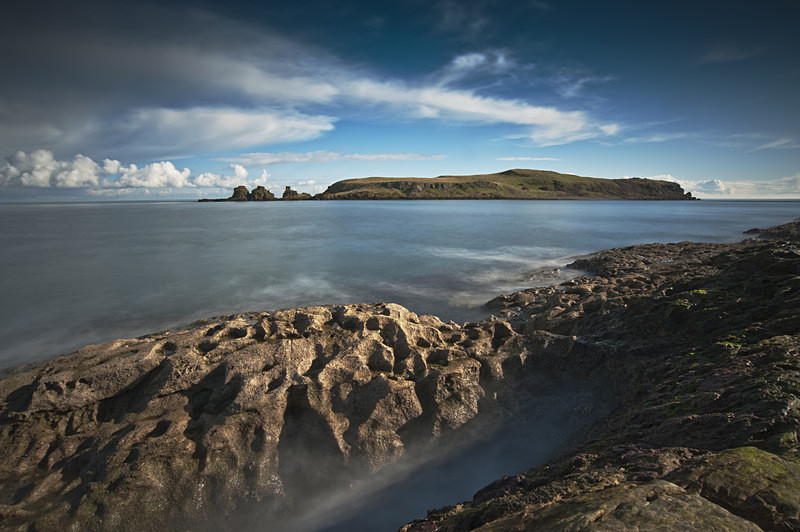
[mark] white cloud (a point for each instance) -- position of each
(469, 61)
(787, 187)
(474, 63)
(712, 187)
(155, 175)
(240, 171)
(111, 166)
(322, 156)
(312, 185)
(40, 169)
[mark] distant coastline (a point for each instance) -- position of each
(511, 184)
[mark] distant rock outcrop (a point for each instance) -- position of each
(240, 420)
(261, 194)
(293, 195)
(240, 193)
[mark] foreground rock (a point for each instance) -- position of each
(239, 421)
(706, 434)
(243, 417)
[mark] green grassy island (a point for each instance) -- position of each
(511, 184)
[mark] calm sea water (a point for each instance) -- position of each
(73, 274)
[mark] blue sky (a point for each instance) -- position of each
(174, 99)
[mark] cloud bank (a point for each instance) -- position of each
(787, 187)
(40, 169)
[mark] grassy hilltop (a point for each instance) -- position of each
(511, 184)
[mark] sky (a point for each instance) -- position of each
(183, 99)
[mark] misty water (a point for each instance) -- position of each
(74, 274)
(451, 469)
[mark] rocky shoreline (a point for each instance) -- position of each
(692, 349)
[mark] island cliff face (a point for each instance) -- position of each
(511, 184)
(240, 420)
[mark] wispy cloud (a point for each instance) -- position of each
(465, 17)
(199, 129)
(546, 126)
(528, 159)
(656, 137)
(468, 66)
(729, 52)
(570, 83)
(746, 142)
(784, 143)
(322, 156)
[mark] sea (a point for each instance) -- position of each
(73, 274)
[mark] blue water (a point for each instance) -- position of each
(73, 274)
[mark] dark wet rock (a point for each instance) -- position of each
(242, 418)
(261, 194)
(290, 194)
(240, 193)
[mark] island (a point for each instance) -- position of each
(679, 364)
(510, 184)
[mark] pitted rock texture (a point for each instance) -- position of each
(188, 427)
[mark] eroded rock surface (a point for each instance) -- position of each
(189, 427)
